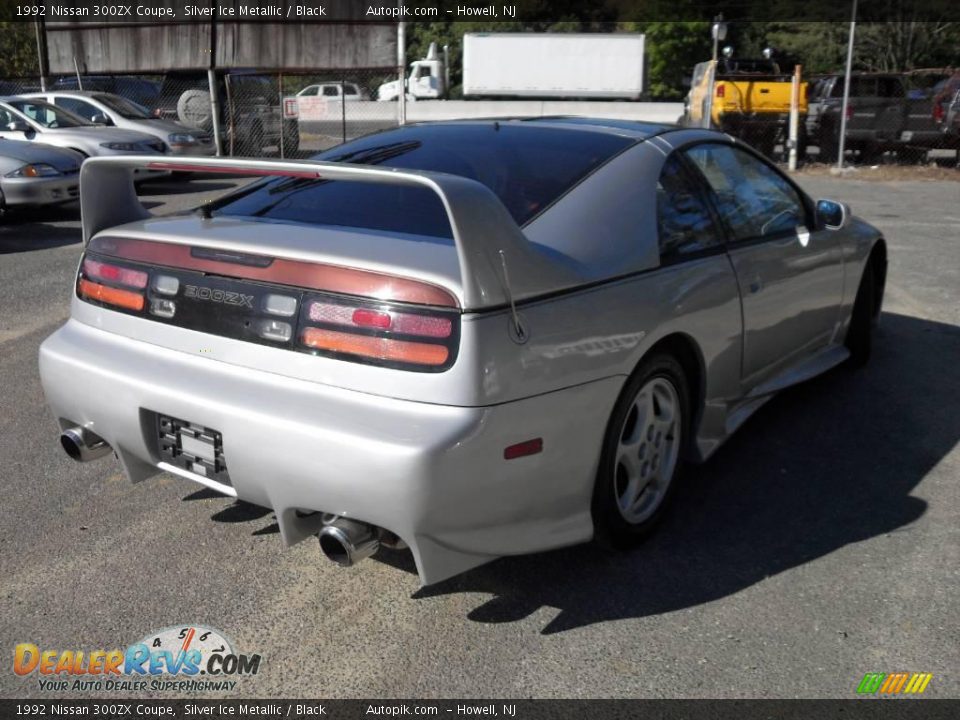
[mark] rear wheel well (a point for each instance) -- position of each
(685, 351)
(877, 264)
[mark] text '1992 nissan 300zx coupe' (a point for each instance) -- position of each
(474, 338)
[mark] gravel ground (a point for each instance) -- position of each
(821, 543)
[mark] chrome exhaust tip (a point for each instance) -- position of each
(82, 445)
(347, 542)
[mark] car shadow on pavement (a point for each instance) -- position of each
(827, 464)
(31, 229)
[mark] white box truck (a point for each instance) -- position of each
(553, 65)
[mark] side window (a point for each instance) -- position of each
(331, 91)
(891, 87)
(754, 200)
(77, 107)
(350, 89)
(684, 222)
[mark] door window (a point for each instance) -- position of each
(331, 91)
(684, 222)
(77, 107)
(753, 199)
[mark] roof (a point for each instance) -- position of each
(634, 129)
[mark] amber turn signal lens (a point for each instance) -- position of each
(375, 347)
(111, 296)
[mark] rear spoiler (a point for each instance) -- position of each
(485, 234)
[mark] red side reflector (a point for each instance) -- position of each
(377, 348)
(527, 447)
(111, 296)
(187, 167)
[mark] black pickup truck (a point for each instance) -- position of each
(886, 111)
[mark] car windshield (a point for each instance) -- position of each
(47, 115)
(124, 108)
(526, 166)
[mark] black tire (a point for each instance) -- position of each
(829, 146)
(611, 528)
(291, 139)
(859, 340)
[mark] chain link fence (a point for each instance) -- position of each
(262, 114)
(892, 118)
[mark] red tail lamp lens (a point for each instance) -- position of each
(721, 91)
(377, 348)
(113, 273)
(431, 326)
(111, 296)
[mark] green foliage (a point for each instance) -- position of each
(18, 50)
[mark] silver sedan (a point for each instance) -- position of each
(32, 174)
(39, 121)
(474, 339)
(111, 110)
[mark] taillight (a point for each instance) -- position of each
(357, 328)
(849, 111)
(112, 284)
(380, 333)
(721, 90)
(938, 113)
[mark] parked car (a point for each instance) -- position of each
(251, 114)
(33, 174)
(140, 90)
(114, 111)
(946, 109)
(332, 91)
(475, 338)
(885, 111)
(39, 121)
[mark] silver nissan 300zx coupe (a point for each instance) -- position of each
(475, 338)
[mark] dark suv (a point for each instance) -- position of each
(250, 109)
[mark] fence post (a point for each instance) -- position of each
(283, 113)
(402, 63)
(794, 117)
(343, 112)
(215, 109)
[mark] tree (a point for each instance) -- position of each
(18, 50)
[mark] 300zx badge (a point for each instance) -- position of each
(220, 296)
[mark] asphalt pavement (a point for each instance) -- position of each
(822, 542)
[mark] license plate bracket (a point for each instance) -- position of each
(192, 447)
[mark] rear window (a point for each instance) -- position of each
(527, 167)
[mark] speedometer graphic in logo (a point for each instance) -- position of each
(184, 638)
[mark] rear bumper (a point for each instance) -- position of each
(40, 191)
(432, 474)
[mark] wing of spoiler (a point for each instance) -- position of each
(482, 227)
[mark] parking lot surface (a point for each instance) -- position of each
(821, 543)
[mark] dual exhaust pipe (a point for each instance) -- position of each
(83, 445)
(346, 542)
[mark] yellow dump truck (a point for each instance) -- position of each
(749, 99)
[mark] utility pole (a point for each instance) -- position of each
(43, 60)
(846, 90)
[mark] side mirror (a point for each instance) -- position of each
(100, 119)
(832, 215)
(18, 126)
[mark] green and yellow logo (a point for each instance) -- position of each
(901, 683)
